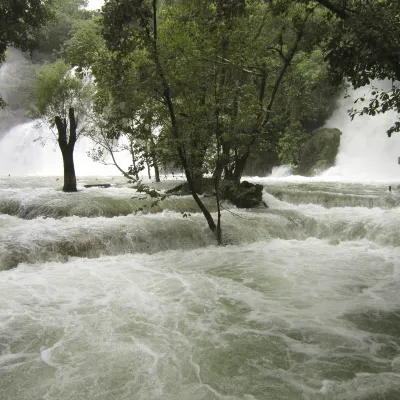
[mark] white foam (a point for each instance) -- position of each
(143, 326)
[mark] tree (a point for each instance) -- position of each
(215, 69)
(131, 31)
(60, 100)
(20, 22)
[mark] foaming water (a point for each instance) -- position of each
(105, 302)
(236, 322)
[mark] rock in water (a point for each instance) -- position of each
(246, 195)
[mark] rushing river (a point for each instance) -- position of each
(100, 302)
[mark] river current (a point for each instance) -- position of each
(102, 301)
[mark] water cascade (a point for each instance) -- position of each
(20, 152)
(366, 152)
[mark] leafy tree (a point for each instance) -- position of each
(131, 32)
(20, 22)
(118, 116)
(61, 101)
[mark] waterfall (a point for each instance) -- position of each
(366, 152)
(21, 154)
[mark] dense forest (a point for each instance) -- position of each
(205, 86)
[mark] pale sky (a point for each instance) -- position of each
(95, 4)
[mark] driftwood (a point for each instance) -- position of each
(101, 185)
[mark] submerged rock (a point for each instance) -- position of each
(319, 152)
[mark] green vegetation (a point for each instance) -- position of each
(55, 32)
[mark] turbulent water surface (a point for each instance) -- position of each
(99, 300)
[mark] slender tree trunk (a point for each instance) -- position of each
(132, 151)
(198, 181)
(67, 146)
(217, 181)
(157, 172)
(240, 165)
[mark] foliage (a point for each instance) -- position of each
(55, 90)
(217, 58)
(65, 13)
(319, 152)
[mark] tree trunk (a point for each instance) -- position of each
(69, 170)
(67, 146)
(134, 170)
(240, 165)
(198, 181)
